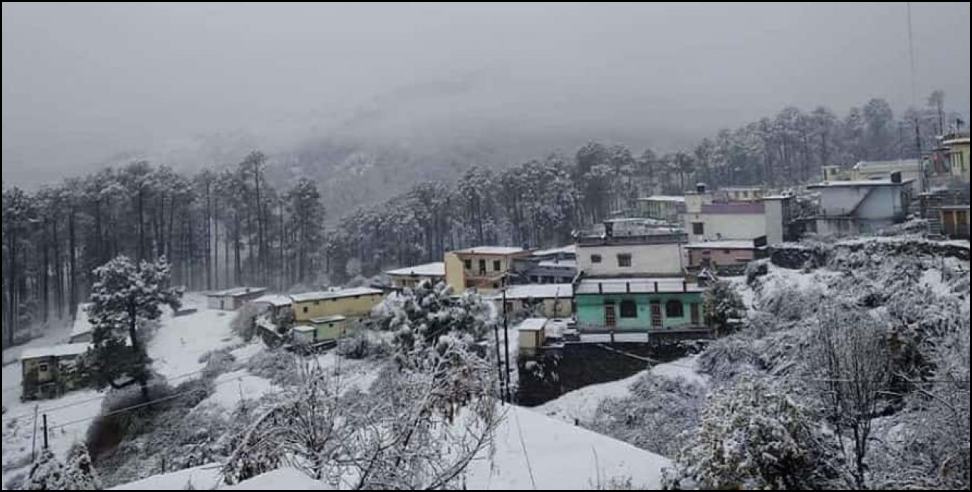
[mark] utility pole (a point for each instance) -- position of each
(506, 343)
(499, 363)
(33, 444)
(45, 432)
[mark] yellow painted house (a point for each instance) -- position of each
(957, 150)
(350, 303)
(484, 269)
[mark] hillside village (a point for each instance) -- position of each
(667, 303)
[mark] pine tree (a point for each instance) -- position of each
(124, 297)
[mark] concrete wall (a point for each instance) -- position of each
(716, 257)
(660, 259)
(726, 226)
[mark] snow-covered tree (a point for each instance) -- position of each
(47, 473)
(123, 299)
(79, 472)
(722, 305)
(754, 437)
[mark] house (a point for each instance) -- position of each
(955, 221)
(411, 277)
(709, 219)
(861, 207)
(635, 283)
(662, 207)
(531, 335)
(353, 304)
(638, 305)
(726, 257)
(279, 307)
(956, 148)
(81, 330)
(549, 300)
(484, 269)
(49, 372)
(233, 299)
(321, 330)
(647, 251)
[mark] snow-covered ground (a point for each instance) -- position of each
(176, 348)
(581, 405)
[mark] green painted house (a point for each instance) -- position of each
(638, 305)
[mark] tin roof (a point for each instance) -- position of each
(337, 294)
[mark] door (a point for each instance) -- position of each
(656, 315)
(696, 317)
(610, 317)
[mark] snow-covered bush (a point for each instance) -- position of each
(729, 358)
(656, 415)
(364, 344)
(47, 473)
(278, 366)
(244, 322)
(217, 362)
(79, 471)
(753, 437)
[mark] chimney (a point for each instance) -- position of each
(896, 177)
(701, 188)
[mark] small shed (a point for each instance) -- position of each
(233, 299)
(49, 372)
(324, 329)
(531, 334)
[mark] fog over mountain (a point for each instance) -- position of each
(186, 85)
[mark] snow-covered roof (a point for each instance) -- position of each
(858, 184)
(558, 264)
(537, 291)
(566, 250)
(955, 207)
(274, 300)
(337, 294)
(328, 319)
(491, 250)
(82, 326)
(238, 291)
(67, 350)
(426, 270)
(532, 324)
(887, 165)
(635, 286)
(722, 245)
(663, 198)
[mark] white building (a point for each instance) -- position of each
(861, 207)
(706, 219)
(411, 277)
(607, 255)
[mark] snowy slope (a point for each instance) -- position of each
(177, 347)
(581, 405)
(536, 452)
(208, 478)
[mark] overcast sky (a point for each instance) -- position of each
(85, 83)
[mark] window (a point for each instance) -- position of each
(624, 260)
(482, 266)
(497, 265)
(698, 228)
(534, 279)
(595, 258)
(468, 264)
(43, 368)
(305, 309)
(548, 280)
(629, 309)
(674, 309)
